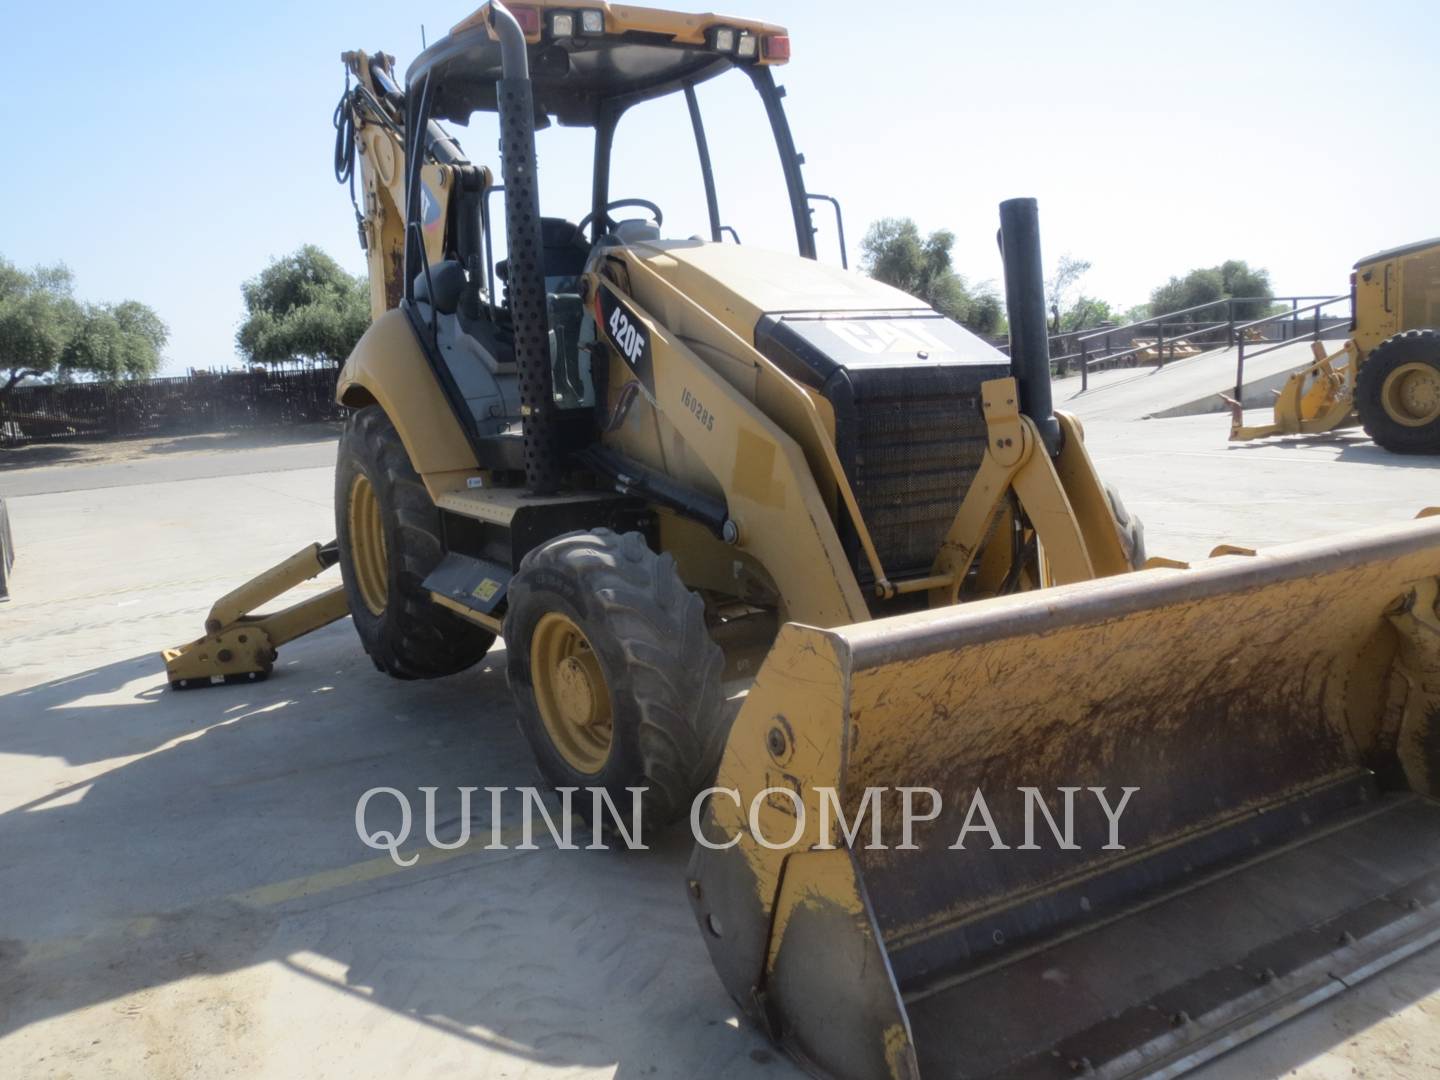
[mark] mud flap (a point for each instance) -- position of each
(1278, 717)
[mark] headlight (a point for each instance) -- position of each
(592, 22)
(562, 24)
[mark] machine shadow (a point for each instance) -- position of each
(213, 831)
(1355, 449)
(35, 455)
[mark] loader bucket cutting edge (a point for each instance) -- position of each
(1279, 716)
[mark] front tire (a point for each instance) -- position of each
(1397, 393)
(389, 535)
(617, 680)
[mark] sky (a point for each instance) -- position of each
(167, 152)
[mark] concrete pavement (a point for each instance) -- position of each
(182, 891)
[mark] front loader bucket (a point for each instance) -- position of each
(1278, 716)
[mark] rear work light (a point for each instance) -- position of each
(722, 39)
(567, 24)
(748, 47)
(777, 47)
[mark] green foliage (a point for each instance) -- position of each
(45, 331)
(38, 316)
(304, 306)
(1086, 313)
(115, 341)
(895, 253)
(1231, 278)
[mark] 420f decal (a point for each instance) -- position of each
(624, 330)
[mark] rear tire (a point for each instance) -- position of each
(389, 535)
(604, 612)
(1397, 393)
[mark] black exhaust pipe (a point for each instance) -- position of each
(1025, 305)
(526, 279)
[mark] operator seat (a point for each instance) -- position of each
(479, 360)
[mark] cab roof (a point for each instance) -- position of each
(640, 53)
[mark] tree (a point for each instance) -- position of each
(37, 318)
(895, 253)
(1068, 273)
(115, 341)
(45, 331)
(1233, 277)
(1082, 313)
(304, 306)
(1086, 313)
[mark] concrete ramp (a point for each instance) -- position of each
(1188, 387)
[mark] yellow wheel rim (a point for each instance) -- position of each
(1412, 394)
(367, 545)
(571, 693)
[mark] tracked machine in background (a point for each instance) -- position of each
(656, 465)
(1386, 377)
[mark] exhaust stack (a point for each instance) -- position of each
(1025, 304)
(526, 281)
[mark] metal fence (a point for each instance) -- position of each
(1215, 325)
(199, 402)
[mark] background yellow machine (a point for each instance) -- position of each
(745, 518)
(1387, 376)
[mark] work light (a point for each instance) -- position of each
(749, 45)
(562, 24)
(723, 39)
(592, 22)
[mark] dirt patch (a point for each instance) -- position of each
(42, 455)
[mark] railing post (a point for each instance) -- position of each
(1230, 322)
(1317, 322)
(1160, 343)
(1240, 370)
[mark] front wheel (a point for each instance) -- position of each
(389, 536)
(617, 680)
(1397, 393)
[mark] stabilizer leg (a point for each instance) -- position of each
(240, 646)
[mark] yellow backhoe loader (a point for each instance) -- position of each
(657, 465)
(1386, 377)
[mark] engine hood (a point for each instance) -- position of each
(813, 319)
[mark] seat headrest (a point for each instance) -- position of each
(448, 278)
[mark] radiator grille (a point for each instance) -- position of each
(911, 445)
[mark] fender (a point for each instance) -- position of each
(388, 368)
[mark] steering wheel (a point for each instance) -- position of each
(615, 204)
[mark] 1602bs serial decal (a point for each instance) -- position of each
(700, 412)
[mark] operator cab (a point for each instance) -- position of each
(589, 64)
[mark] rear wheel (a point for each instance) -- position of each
(1397, 393)
(389, 534)
(616, 677)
